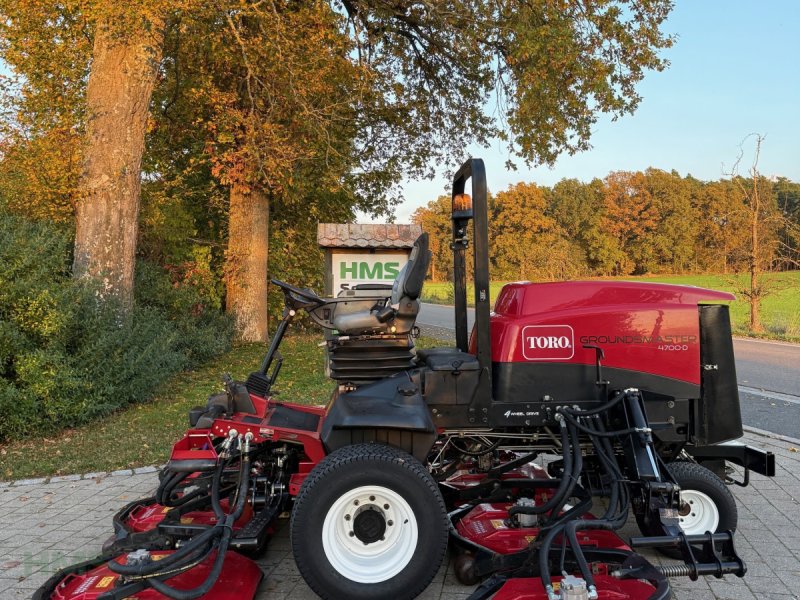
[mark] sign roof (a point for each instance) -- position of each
(354, 235)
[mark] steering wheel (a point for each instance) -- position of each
(307, 295)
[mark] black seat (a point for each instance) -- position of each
(399, 316)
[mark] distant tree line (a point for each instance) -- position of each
(630, 223)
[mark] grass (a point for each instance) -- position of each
(780, 311)
(143, 434)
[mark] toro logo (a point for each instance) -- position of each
(548, 342)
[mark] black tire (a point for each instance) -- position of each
(694, 478)
(329, 489)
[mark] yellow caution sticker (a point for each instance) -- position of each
(498, 524)
(186, 520)
(166, 509)
(105, 582)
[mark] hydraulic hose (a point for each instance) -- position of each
(615, 517)
(213, 575)
(603, 408)
(569, 416)
(199, 547)
(573, 464)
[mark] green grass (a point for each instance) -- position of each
(143, 434)
(780, 311)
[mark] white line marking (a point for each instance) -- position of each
(771, 395)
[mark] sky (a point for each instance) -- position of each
(735, 70)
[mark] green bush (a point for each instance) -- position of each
(64, 357)
(204, 331)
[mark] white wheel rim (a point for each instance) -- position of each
(702, 515)
(377, 560)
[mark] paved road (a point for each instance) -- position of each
(47, 526)
(768, 374)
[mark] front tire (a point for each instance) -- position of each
(369, 522)
(706, 504)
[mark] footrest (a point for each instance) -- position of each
(254, 535)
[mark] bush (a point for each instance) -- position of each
(65, 358)
(184, 299)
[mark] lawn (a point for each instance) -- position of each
(143, 434)
(780, 310)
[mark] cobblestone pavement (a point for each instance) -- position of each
(47, 526)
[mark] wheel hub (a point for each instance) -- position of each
(369, 524)
(369, 534)
(698, 513)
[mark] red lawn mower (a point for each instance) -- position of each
(629, 388)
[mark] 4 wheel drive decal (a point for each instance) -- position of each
(548, 342)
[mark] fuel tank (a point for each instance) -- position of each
(673, 342)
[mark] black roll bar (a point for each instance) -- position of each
(462, 213)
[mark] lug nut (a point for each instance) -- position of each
(352, 533)
(372, 498)
(390, 523)
(347, 517)
(385, 507)
(355, 502)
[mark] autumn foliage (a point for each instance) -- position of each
(630, 223)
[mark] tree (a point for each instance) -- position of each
(125, 61)
(434, 218)
(46, 46)
(410, 84)
(762, 218)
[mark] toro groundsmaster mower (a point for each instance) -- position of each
(628, 388)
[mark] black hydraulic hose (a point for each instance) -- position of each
(215, 491)
(569, 416)
(168, 485)
(213, 575)
(566, 450)
(182, 554)
(573, 464)
(185, 553)
(244, 485)
(226, 523)
(544, 557)
(603, 408)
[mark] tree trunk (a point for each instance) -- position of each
(247, 262)
(121, 81)
(755, 292)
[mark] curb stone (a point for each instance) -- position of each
(769, 434)
(79, 476)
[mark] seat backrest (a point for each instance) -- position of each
(411, 277)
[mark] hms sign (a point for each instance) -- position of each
(548, 342)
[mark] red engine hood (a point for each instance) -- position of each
(525, 298)
(646, 327)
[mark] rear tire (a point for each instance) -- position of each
(708, 504)
(369, 522)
